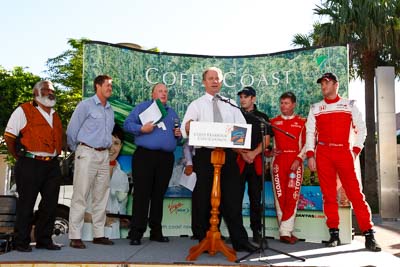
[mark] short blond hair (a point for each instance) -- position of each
(218, 70)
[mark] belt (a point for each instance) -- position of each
(289, 151)
(95, 148)
(332, 144)
(33, 156)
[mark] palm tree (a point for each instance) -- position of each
(371, 28)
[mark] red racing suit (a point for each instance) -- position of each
(287, 150)
(329, 125)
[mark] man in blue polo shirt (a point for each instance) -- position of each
(152, 165)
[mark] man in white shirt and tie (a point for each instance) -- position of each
(208, 108)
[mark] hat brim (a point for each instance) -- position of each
(325, 78)
(246, 93)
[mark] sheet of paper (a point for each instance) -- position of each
(162, 125)
(152, 113)
(188, 181)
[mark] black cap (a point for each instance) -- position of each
(247, 91)
(329, 76)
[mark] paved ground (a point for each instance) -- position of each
(388, 236)
(175, 252)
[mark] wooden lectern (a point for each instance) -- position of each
(213, 243)
(227, 135)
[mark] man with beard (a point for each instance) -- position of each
(89, 135)
(39, 130)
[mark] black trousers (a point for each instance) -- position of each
(231, 201)
(151, 172)
(254, 188)
(32, 177)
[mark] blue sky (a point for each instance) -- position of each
(33, 31)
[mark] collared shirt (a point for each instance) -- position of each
(91, 123)
(161, 138)
(18, 121)
(201, 109)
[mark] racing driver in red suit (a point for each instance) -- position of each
(288, 158)
(329, 151)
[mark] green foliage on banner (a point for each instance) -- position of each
(134, 72)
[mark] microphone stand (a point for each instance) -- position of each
(226, 100)
(263, 244)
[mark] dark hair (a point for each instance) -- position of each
(288, 95)
(118, 132)
(100, 80)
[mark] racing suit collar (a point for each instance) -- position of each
(288, 117)
(331, 101)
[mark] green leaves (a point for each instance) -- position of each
(16, 87)
(65, 71)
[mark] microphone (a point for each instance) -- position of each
(219, 97)
(176, 126)
(176, 123)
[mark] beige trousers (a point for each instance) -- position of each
(91, 174)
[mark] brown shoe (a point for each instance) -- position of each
(102, 241)
(77, 243)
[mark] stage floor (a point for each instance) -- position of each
(174, 253)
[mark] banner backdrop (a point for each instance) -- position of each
(134, 72)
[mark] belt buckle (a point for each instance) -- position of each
(333, 144)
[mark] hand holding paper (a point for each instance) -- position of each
(188, 181)
(154, 113)
(147, 127)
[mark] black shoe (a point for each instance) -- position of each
(370, 242)
(50, 246)
(247, 246)
(23, 248)
(162, 239)
(334, 241)
(135, 242)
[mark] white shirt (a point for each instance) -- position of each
(119, 187)
(18, 121)
(201, 109)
